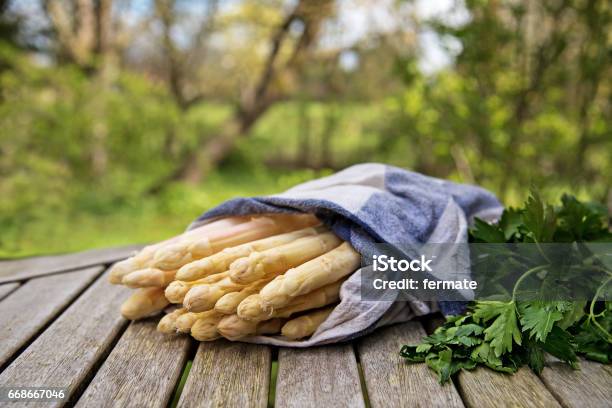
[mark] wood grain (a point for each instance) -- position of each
(27, 310)
(324, 376)
(227, 374)
(21, 269)
(391, 382)
(142, 369)
(591, 386)
(7, 288)
(487, 388)
(67, 351)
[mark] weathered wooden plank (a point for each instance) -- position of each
(390, 381)
(27, 310)
(67, 351)
(487, 388)
(21, 269)
(318, 377)
(226, 374)
(142, 369)
(7, 288)
(591, 386)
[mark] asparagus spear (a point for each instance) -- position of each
(274, 261)
(228, 303)
(233, 327)
(205, 328)
(311, 275)
(220, 261)
(253, 308)
(271, 326)
(305, 325)
(144, 257)
(134, 263)
(176, 255)
(144, 302)
(167, 324)
(148, 277)
(185, 322)
(176, 290)
(203, 297)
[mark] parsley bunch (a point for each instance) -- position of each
(507, 334)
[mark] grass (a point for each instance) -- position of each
(107, 223)
(272, 389)
(140, 221)
(179, 388)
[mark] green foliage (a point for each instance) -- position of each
(504, 335)
(517, 108)
(503, 330)
(79, 150)
(592, 340)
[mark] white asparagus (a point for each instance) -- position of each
(148, 277)
(144, 258)
(228, 303)
(253, 308)
(233, 327)
(221, 261)
(167, 324)
(144, 302)
(138, 261)
(271, 326)
(187, 250)
(176, 290)
(275, 261)
(203, 297)
(305, 325)
(314, 274)
(205, 327)
(185, 322)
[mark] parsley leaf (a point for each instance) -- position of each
(539, 219)
(539, 317)
(504, 328)
(506, 335)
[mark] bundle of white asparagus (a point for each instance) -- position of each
(240, 276)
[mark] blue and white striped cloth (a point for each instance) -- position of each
(367, 204)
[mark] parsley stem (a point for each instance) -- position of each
(541, 250)
(592, 311)
(523, 276)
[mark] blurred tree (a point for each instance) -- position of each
(104, 102)
(179, 60)
(209, 152)
(9, 25)
(527, 102)
(82, 31)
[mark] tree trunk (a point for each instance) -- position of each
(210, 152)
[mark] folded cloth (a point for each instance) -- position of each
(367, 204)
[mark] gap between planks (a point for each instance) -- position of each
(27, 311)
(27, 268)
(392, 382)
(589, 386)
(318, 376)
(7, 288)
(141, 370)
(228, 373)
(68, 352)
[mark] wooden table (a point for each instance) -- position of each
(60, 327)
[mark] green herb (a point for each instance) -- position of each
(507, 334)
